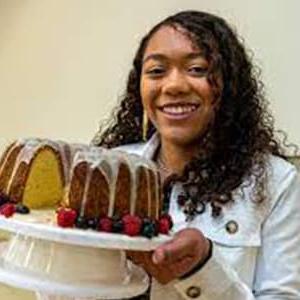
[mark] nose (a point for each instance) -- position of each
(175, 83)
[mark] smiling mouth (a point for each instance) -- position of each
(178, 109)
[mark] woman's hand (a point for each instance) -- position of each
(175, 258)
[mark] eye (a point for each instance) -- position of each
(155, 71)
(198, 71)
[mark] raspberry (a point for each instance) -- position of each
(105, 224)
(66, 217)
(164, 225)
(132, 225)
(167, 216)
(7, 210)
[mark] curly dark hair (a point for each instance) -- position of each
(242, 134)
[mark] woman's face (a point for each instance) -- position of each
(174, 87)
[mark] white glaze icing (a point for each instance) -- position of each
(108, 162)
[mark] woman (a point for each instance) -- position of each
(194, 97)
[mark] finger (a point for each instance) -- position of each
(173, 251)
(158, 256)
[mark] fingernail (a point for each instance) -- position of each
(158, 256)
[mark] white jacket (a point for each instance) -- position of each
(256, 247)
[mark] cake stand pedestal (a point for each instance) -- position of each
(61, 263)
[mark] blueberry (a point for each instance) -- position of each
(22, 209)
(149, 228)
(117, 226)
(93, 223)
(81, 222)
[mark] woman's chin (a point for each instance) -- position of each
(180, 140)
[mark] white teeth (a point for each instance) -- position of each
(179, 109)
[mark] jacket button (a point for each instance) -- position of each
(193, 292)
(232, 227)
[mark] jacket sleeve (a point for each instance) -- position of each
(277, 271)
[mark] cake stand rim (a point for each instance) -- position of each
(26, 280)
(89, 238)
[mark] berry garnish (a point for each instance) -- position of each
(81, 222)
(7, 210)
(92, 223)
(117, 226)
(66, 217)
(105, 224)
(22, 209)
(164, 226)
(132, 225)
(149, 228)
(167, 216)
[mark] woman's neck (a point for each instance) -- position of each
(173, 158)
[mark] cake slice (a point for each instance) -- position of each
(34, 172)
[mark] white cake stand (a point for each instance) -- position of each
(44, 257)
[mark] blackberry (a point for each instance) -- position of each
(117, 226)
(22, 209)
(92, 223)
(149, 228)
(81, 222)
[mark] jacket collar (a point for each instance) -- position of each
(151, 146)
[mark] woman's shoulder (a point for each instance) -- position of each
(281, 176)
(280, 170)
(283, 181)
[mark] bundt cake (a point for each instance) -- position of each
(113, 183)
(94, 183)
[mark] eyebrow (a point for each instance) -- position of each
(158, 56)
